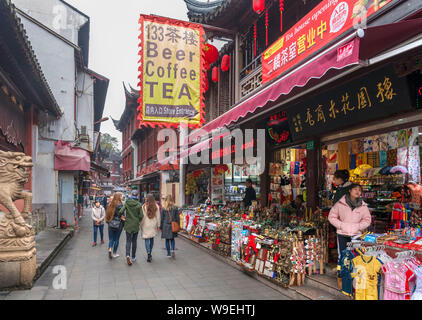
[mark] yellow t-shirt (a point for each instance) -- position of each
(366, 271)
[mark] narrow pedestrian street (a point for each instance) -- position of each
(194, 275)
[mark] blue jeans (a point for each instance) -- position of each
(170, 242)
(101, 226)
(131, 242)
(114, 236)
(149, 244)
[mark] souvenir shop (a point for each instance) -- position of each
(380, 149)
(384, 158)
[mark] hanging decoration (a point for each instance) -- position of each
(206, 66)
(254, 37)
(225, 63)
(281, 14)
(258, 6)
(266, 27)
(214, 77)
(211, 53)
(207, 84)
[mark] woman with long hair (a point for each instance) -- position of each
(169, 214)
(115, 224)
(150, 223)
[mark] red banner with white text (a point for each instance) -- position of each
(324, 23)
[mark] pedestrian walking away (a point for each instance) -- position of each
(150, 223)
(169, 214)
(133, 217)
(105, 202)
(98, 216)
(115, 224)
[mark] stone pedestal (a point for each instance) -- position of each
(17, 254)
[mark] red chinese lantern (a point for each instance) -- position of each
(258, 6)
(281, 14)
(211, 53)
(225, 63)
(214, 74)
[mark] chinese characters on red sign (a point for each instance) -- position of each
(324, 23)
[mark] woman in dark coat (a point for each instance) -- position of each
(168, 211)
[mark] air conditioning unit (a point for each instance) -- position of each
(84, 137)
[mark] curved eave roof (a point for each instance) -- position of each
(218, 13)
(132, 96)
(21, 62)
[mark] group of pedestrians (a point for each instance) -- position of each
(132, 217)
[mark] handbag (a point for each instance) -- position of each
(174, 225)
(115, 223)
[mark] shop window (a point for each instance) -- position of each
(381, 163)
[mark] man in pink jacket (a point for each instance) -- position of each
(350, 216)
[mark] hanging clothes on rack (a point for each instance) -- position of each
(367, 273)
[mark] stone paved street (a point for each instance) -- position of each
(193, 275)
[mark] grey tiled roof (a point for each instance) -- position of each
(13, 36)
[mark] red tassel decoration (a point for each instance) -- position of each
(254, 36)
(281, 14)
(266, 27)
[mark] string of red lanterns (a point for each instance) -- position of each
(281, 14)
(266, 27)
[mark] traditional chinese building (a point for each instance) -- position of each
(24, 91)
(140, 155)
(63, 146)
(290, 66)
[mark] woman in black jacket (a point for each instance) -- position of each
(169, 214)
(115, 224)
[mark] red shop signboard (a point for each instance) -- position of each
(327, 21)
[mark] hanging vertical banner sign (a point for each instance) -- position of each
(171, 79)
(327, 21)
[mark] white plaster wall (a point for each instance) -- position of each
(55, 15)
(58, 64)
(85, 105)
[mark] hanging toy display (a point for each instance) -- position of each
(258, 6)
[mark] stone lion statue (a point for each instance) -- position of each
(14, 174)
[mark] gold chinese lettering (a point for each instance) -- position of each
(321, 29)
(345, 100)
(301, 44)
(363, 98)
(311, 37)
(385, 90)
(320, 114)
(333, 110)
(297, 123)
(309, 119)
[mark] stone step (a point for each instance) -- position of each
(317, 293)
(311, 290)
(49, 242)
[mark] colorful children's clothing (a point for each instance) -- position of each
(366, 274)
(345, 268)
(397, 277)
